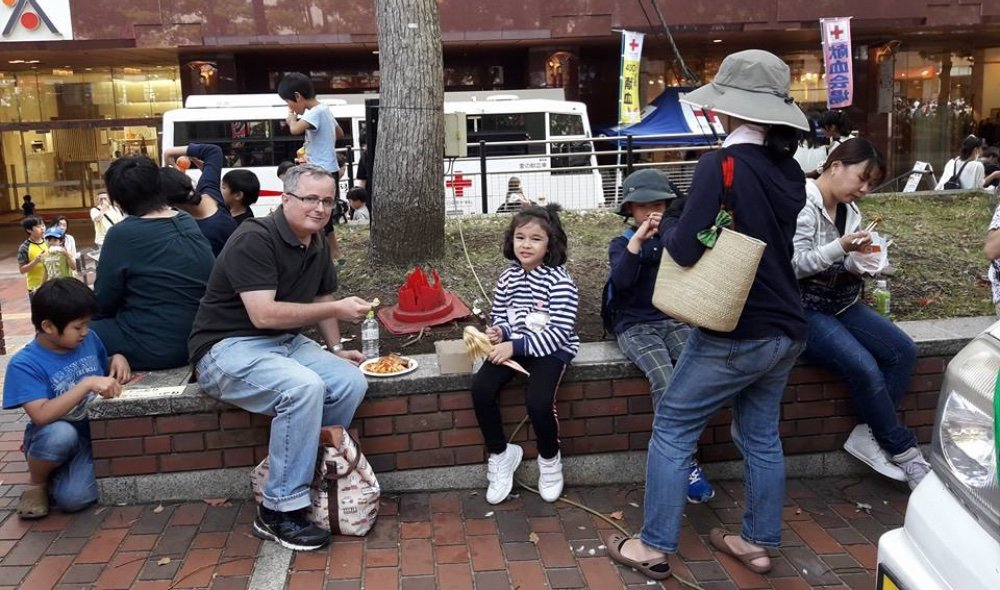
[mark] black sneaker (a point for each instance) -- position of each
(291, 530)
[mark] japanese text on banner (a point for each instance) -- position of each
(837, 61)
(629, 109)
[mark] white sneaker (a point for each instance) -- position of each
(500, 470)
(550, 477)
(862, 445)
(913, 464)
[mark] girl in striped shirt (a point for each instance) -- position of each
(534, 312)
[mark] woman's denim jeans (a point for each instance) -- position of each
(293, 379)
(711, 372)
(876, 360)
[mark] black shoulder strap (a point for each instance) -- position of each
(964, 164)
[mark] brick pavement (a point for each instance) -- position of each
(449, 540)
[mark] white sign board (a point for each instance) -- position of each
(919, 169)
(35, 20)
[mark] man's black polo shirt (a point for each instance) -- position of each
(262, 255)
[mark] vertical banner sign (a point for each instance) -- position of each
(838, 62)
(629, 110)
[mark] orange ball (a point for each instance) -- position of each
(183, 163)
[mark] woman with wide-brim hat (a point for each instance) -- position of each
(749, 366)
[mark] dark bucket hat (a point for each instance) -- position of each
(645, 186)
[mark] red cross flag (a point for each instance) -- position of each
(629, 109)
(837, 61)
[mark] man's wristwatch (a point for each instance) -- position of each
(337, 347)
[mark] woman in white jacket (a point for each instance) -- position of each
(970, 171)
(845, 335)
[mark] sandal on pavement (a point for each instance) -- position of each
(718, 539)
(34, 503)
(657, 570)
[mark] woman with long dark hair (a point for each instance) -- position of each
(845, 335)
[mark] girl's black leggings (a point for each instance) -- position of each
(540, 399)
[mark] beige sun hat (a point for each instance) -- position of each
(751, 85)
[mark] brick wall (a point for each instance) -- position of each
(439, 429)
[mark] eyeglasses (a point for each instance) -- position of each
(313, 200)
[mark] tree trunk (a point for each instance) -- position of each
(408, 192)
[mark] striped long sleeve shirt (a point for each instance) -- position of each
(536, 311)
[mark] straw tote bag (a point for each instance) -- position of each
(711, 293)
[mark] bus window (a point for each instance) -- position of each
(505, 127)
(243, 143)
(562, 124)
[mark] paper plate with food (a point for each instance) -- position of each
(391, 365)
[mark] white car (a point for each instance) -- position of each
(951, 535)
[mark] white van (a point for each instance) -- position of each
(541, 142)
(950, 538)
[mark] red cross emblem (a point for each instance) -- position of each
(836, 32)
(459, 183)
(632, 44)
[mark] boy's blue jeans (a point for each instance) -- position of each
(713, 371)
(72, 486)
(876, 360)
(293, 379)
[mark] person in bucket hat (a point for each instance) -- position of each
(648, 337)
(755, 178)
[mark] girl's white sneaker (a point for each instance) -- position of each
(550, 477)
(500, 470)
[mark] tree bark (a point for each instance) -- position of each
(408, 192)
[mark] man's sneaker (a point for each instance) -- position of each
(699, 490)
(291, 530)
(913, 464)
(500, 470)
(863, 446)
(550, 477)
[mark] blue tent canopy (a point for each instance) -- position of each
(666, 115)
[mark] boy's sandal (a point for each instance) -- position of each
(34, 503)
(718, 539)
(657, 570)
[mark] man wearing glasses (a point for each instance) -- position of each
(273, 278)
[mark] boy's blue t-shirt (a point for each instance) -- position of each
(321, 138)
(36, 372)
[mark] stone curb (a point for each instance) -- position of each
(169, 393)
(584, 470)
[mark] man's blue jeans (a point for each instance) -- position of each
(876, 360)
(711, 372)
(650, 346)
(72, 486)
(293, 379)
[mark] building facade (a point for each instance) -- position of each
(83, 82)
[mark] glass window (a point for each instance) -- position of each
(244, 143)
(580, 158)
(505, 127)
(562, 124)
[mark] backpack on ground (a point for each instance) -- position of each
(344, 491)
(954, 183)
(611, 309)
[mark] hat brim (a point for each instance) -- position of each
(756, 107)
(644, 195)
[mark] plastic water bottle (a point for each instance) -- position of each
(882, 298)
(369, 336)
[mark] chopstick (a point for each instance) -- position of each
(869, 229)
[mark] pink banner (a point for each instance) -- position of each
(837, 61)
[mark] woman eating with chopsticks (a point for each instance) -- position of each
(845, 335)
